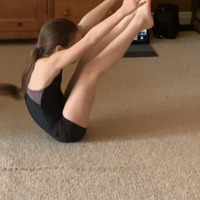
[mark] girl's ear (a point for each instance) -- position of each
(58, 48)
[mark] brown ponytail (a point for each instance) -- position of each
(10, 90)
(15, 92)
(54, 32)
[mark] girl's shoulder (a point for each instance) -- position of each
(41, 62)
(42, 75)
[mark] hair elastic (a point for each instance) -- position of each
(38, 46)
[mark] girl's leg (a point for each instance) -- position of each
(97, 49)
(80, 101)
(117, 48)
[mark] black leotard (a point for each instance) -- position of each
(46, 106)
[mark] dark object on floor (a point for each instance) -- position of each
(186, 27)
(196, 15)
(142, 50)
(166, 21)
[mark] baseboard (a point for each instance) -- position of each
(185, 17)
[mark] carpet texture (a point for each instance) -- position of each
(143, 141)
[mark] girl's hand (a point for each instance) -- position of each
(130, 6)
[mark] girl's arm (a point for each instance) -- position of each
(62, 58)
(118, 29)
(95, 16)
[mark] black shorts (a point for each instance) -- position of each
(60, 129)
(67, 131)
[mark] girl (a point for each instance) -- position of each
(97, 48)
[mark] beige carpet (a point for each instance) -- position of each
(143, 141)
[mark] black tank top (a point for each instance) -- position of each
(46, 106)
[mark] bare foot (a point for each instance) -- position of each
(130, 6)
(144, 13)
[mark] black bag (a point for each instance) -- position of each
(166, 21)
